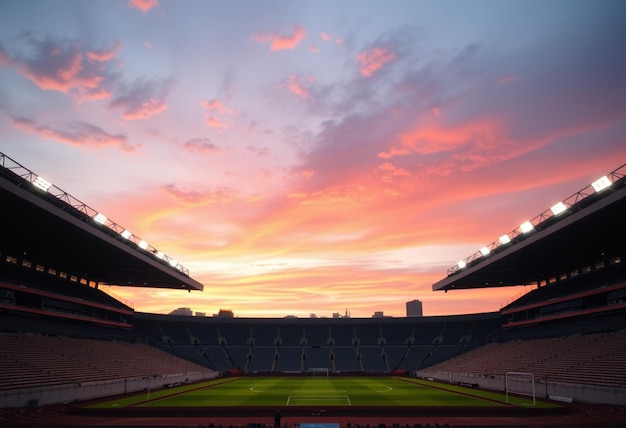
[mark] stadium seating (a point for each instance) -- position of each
(36, 360)
(296, 345)
(595, 359)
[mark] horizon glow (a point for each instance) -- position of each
(304, 159)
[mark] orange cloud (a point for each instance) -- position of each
(196, 197)
(374, 59)
(143, 5)
(278, 42)
(429, 139)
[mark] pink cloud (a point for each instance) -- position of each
(215, 122)
(327, 38)
(80, 134)
(103, 55)
(60, 71)
(374, 59)
(213, 107)
(143, 99)
(214, 104)
(143, 5)
(278, 42)
(200, 145)
(66, 66)
(195, 198)
(4, 57)
(297, 85)
(507, 79)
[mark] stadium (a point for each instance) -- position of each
(72, 355)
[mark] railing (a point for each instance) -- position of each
(111, 228)
(541, 221)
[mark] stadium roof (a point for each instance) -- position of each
(585, 229)
(48, 227)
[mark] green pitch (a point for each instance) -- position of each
(316, 391)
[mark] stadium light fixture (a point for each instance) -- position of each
(504, 239)
(143, 245)
(173, 263)
(126, 234)
(461, 264)
(100, 218)
(42, 184)
(558, 208)
(159, 255)
(601, 184)
(526, 227)
(485, 251)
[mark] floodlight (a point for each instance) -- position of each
(100, 218)
(485, 251)
(461, 264)
(526, 227)
(159, 254)
(42, 184)
(504, 239)
(601, 183)
(126, 234)
(173, 262)
(558, 208)
(143, 245)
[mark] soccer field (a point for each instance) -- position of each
(316, 391)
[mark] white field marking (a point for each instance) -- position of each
(387, 389)
(318, 398)
(317, 391)
(253, 389)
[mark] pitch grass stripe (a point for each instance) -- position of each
(308, 400)
(275, 392)
(491, 396)
(140, 397)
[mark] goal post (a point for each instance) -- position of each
(318, 371)
(517, 383)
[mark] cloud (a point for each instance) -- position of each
(65, 66)
(278, 42)
(200, 145)
(143, 98)
(79, 134)
(4, 57)
(216, 108)
(104, 55)
(195, 198)
(507, 79)
(327, 38)
(298, 85)
(143, 5)
(374, 59)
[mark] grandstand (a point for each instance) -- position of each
(65, 340)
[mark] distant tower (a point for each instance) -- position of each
(414, 308)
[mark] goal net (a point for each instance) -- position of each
(318, 371)
(519, 383)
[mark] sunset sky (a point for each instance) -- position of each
(307, 157)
